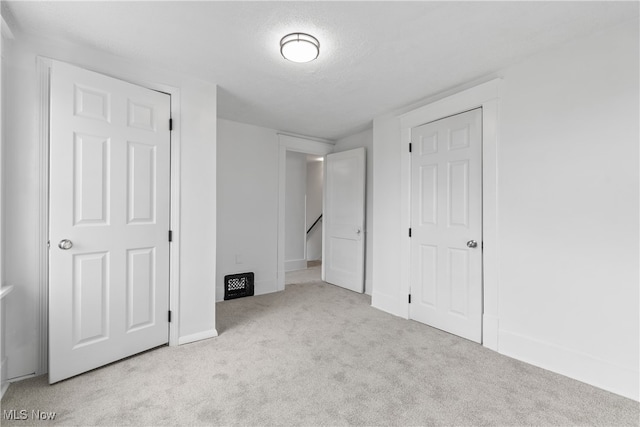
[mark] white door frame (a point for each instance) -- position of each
(299, 145)
(487, 97)
(43, 72)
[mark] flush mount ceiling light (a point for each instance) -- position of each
(299, 47)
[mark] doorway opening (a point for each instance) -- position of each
(303, 217)
(300, 207)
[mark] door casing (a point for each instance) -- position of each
(43, 71)
(485, 96)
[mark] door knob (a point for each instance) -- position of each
(358, 231)
(472, 244)
(65, 244)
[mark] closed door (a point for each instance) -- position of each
(344, 209)
(109, 220)
(446, 224)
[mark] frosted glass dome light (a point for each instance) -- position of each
(299, 47)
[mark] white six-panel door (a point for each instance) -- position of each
(109, 219)
(343, 219)
(446, 224)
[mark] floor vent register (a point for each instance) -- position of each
(238, 285)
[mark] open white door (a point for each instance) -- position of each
(446, 224)
(344, 213)
(109, 220)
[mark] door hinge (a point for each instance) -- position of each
(409, 298)
(170, 236)
(410, 147)
(169, 316)
(409, 231)
(170, 124)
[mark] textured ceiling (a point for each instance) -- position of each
(375, 56)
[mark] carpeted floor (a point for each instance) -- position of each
(316, 354)
(311, 274)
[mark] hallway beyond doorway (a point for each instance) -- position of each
(310, 274)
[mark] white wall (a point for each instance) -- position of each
(386, 293)
(196, 127)
(249, 193)
(568, 183)
(198, 210)
(20, 205)
(295, 256)
(568, 188)
(364, 139)
(315, 176)
(247, 204)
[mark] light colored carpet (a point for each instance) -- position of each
(316, 354)
(311, 274)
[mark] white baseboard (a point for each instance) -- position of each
(583, 367)
(368, 287)
(4, 388)
(386, 303)
(211, 333)
(490, 332)
(4, 385)
(265, 287)
(296, 264)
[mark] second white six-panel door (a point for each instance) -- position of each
(446, 224)
(109, 219)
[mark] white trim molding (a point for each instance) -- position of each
(42, 236)
(485, 96)
(187, 339)
(386, 302)
(295, 264)
(174, 247)
(4, 383)
(618, 379)
(300, 145)
(4, 386)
